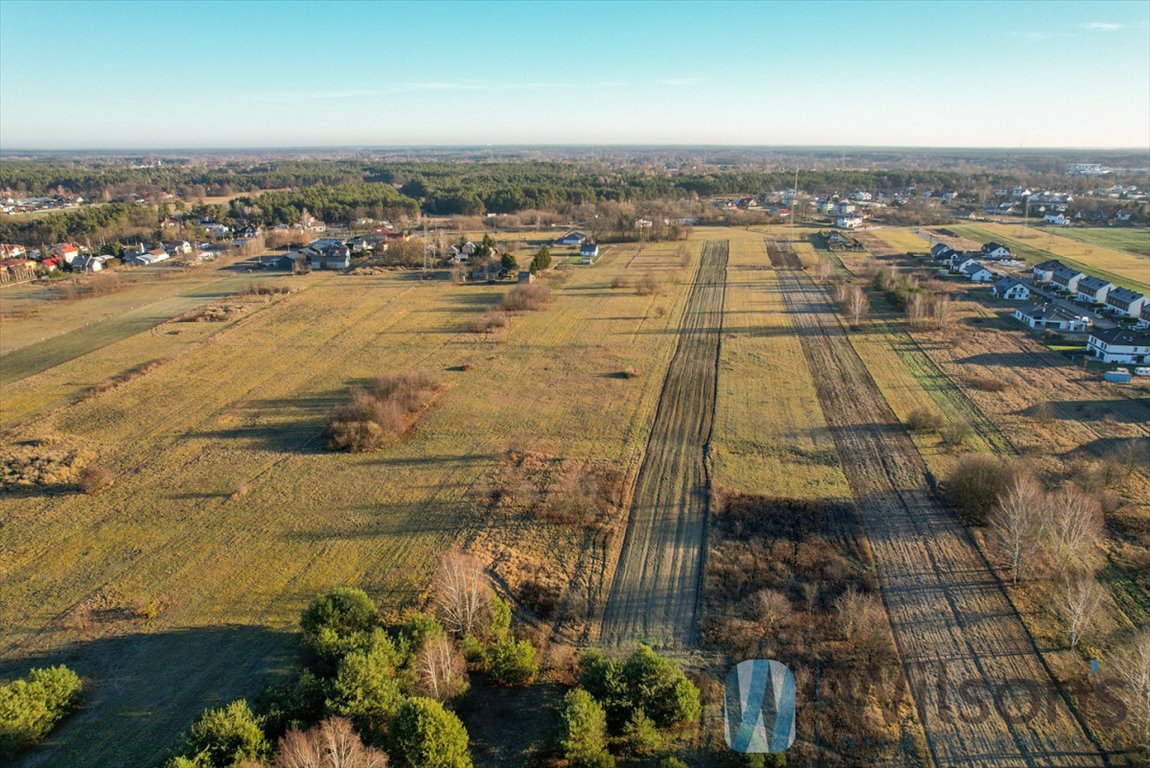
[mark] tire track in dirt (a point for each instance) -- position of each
(972, 668)
(655, 593)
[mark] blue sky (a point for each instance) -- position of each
(264, 74)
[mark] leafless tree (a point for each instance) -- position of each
(826, 269)
(1132, 666)
(857, 307)
(1080, 605)
(770, 607)
(1073, 527)
(442, 670)
(462, 595)
(1016, 524)
(332, 743)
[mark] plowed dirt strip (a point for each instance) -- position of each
(983, 693)
(655, 594)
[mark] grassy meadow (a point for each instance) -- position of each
(227, 514)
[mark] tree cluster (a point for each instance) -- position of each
(630, 704)
(30, 707)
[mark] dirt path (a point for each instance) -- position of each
(655, 594)
(984, 695)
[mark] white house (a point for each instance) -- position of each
(849, 221)
(217, 230)
(1093, 289)
(976, 273)
(1044, 272)
(1057, 219)
(1123, 301)
(588, 251)
(1010, 288)
(995, 251)
(959, 262)
(1119, 345)
(1067, 279)
(180, 247)
(87, 262)
(1050, 315)
(844, 207)
(154, 256)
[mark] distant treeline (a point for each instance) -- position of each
(339, 191)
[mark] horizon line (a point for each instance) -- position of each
(563, 145)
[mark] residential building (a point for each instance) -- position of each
(1126, 302)
(1044, 272)
(1067, 279)
(976, 272)
(995, 251)
(1119, 345)
(1049, 315)
(1093, 289)
(1010, 288)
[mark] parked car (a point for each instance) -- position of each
(1143, 370)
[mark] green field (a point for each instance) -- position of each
(1135, 241)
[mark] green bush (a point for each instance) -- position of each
(336, 622)
(425, 735)
(367, 684)
(584, 740)
(512, 662)
(31, 707)
(641, 737)
(223, 737)
(644, 681)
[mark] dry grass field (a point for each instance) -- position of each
(770, 433)
(181, 584)
(227, 515)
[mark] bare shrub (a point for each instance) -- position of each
(381, 412)
(1044, 412)
(491, 321)
(956, 433)
(526, 298)
(266, 288)
(975, 485)
(332, 743)
(619, 282)
(659, 311)
(923, 420)
(986, 383)
(79, 619)
(647, 285)
(770, 608)
(628, 373)
(96, 479)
